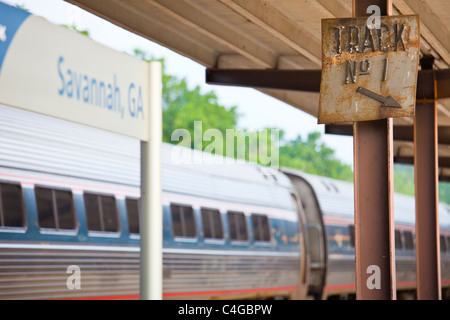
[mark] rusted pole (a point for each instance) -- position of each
(427, 194)
(374, 216)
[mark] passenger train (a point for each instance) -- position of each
(69, 196)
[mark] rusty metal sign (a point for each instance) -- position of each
(369, 73)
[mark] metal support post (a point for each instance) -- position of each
(374, 216)
(427, 193)
(151, 224)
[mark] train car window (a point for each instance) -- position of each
(398, 240)
(409, 241)
(55, 208)
(351, 229)
(133, 214)
(212, 224)
(46, 214)
(183, 221)
(109, 213)
(339, 240)
(101, 212)
(238, 226)
(11, 205)
(261, 229)
(443, 244)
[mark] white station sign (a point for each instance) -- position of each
(54, 71)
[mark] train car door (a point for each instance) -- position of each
(316, 235)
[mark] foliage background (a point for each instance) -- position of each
(183, 105)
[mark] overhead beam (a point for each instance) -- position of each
(443, 178)
(401, 133)
(444, 162)
(300, 80)
(309, 80)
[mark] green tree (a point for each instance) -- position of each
(21, 6)
(444, 192)
(313, 156)
(404, 179)
(404, 182)
(74, 28)
(183, 106)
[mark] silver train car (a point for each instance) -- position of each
(69, 197)
(329, 208)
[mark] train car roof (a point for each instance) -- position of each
(223, 178)
(40, 144)
(336, 198)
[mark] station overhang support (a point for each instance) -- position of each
(431, 86)
(309, 80)
(401, 132)
(428, 266)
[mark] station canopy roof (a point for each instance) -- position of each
(275, 34)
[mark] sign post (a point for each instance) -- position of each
(369, 76)
(151, 195)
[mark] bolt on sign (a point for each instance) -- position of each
(369, 73)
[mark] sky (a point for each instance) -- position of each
(256, 110)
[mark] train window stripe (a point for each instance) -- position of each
(136, 249)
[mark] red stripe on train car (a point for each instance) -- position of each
(399, 284)
(195, 293)
(208, 293)
(340, 287)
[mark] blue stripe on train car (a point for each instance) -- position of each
(284, 233)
